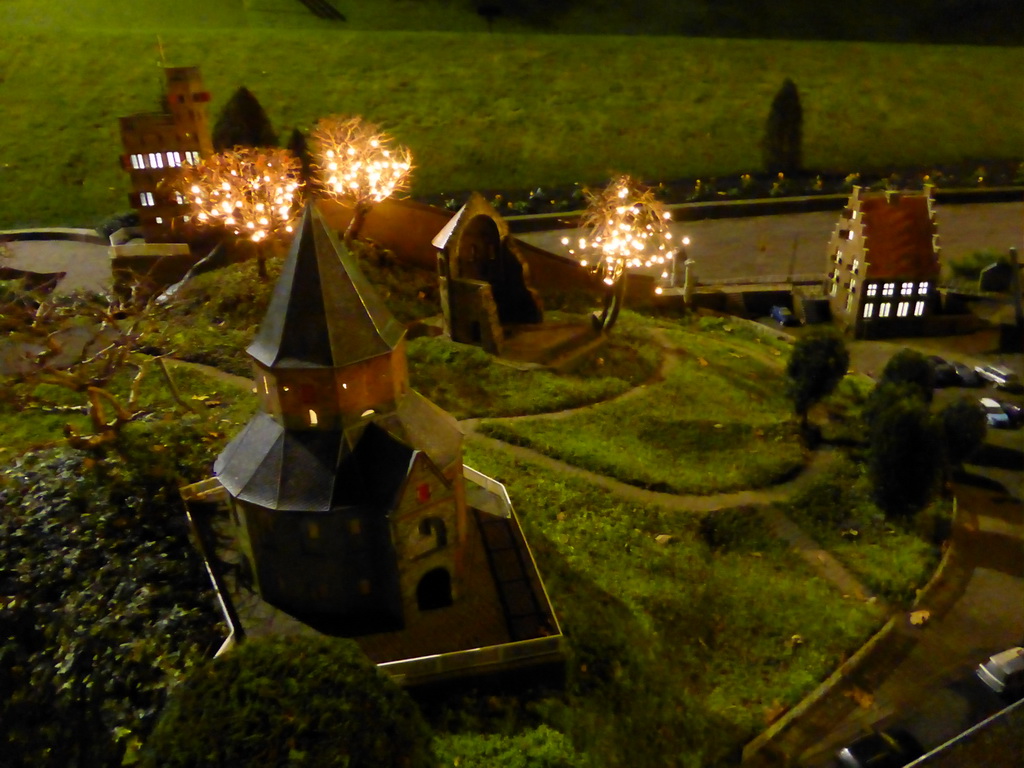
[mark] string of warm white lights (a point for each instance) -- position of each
(624, 227)
(358, 162)
(251, 192)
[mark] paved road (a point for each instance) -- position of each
(722, 248)
(772, 245)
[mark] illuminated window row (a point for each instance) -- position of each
(141, 161)
(885, 309)
(906, 289)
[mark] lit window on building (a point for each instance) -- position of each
(146, 198)
(918, 309)
(853, 286)
(849, 302)
(849, 235)
(856, 266)
(922, 288)
(872, 289)
(159, 219)
(883, 310)
(135, 162)
(903, 309)
(853, 215)
(192, 157)
(869, 310)
(833, 288)
(839, 256)
(179, 198)
(888, 289)
(907, 289)
(173, 159)
(312, 418)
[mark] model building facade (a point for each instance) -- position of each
(884, 264)
(157, 143)
(483, 281)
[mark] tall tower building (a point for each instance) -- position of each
(158, 142)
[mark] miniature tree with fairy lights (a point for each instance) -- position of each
(250, 193)
(624, 227)
(359, 165)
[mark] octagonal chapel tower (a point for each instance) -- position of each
(347, 487)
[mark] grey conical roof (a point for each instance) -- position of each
(323, 312)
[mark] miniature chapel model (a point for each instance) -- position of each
(884, 264)
(347, 489)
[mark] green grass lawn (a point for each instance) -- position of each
(892, 558)
(718, 422)
(910, 21)
(679, 652)
(483, 111)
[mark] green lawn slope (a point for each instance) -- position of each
(491, 111)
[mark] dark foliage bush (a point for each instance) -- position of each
(118, 221)
(243, 123)
(104, 603)
(910, 367)
(817, 364)
(905, 457)
(964, 428)
(290, 701)
(782, 144)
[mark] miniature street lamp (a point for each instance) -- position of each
(359, 165)
(624, 227)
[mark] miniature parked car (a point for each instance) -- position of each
(784, 316)
(967, 375)
(995, 416)
(1001, 376)
(1004, 673)
(943, 373)
(892, 748)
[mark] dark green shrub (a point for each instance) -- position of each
(104, 604)
(905, 456)
(243, 123)
(782, 143)
(908, 366)
(817, 364)
(964, 428)
(290, 701)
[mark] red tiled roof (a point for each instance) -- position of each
(898, 237)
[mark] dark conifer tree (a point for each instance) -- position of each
(243, 123)
(298, 146)
(782, 144)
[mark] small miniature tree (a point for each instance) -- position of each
(782, 144)
(908, 366)
(817, 364)
(78, 355)
(243, 123)
(249, 193)
(359, 165)
(964, 428)
(624, 227)
(284, 701)
(905, 457)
